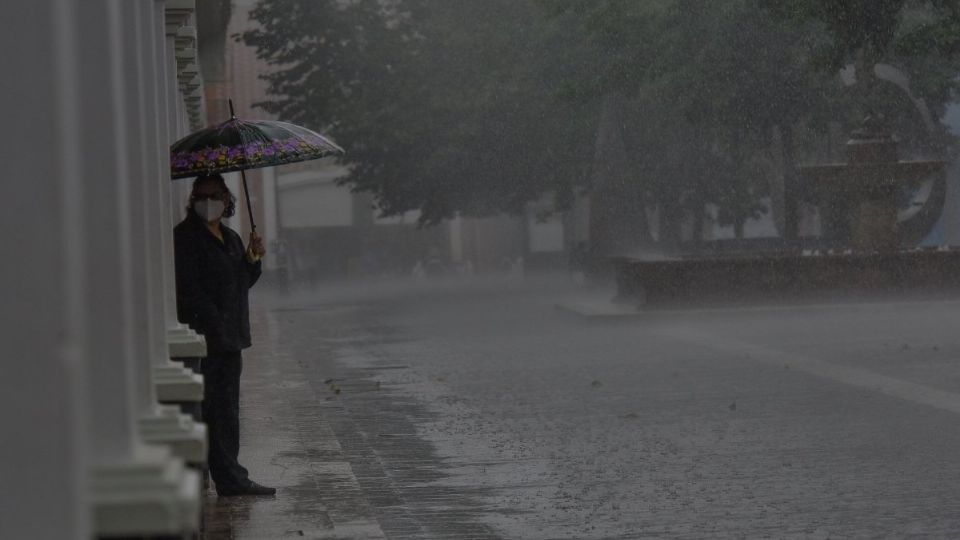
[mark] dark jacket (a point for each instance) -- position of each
(213, 278)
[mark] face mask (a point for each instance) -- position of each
(209, 210)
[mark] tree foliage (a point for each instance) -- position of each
(441, 106)
(478, 107)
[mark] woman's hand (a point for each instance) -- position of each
(255, 249)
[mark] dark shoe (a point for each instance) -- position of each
(252, 488)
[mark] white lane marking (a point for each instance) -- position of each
(865, 304)
(604, 307)
(891, 386)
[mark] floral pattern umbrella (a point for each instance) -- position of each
(238, 145)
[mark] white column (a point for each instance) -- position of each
(134, 118)
(951, 208)
(134, 489)
(182, 341)
(107, 286)
(270, 226)
(456, 239)
(166, 94)
(174, 382)
(157, 424)
(42, 461)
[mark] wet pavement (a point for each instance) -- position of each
(442, 411)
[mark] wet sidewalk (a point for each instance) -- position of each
(287, 442)
(488, 413)
(344, 453)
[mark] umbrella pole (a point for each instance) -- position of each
(246, 195)
(243, 176)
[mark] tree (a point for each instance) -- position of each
(719, 91)
(708, 83)
(478, 107)
(443, 105)
(919, 37)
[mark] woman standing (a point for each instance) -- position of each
(214, 273)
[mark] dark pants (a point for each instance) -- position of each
(221, 413)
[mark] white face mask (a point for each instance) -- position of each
(209, 210)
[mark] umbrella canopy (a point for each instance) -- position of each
(238, 145)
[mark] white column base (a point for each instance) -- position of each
(176, 383)
(169, 427)
(183, 342)
(151, 495)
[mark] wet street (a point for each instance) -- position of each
(483, 411)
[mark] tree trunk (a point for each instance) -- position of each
(699, 220)
(618, 223)
(671, 216)
(791, 185)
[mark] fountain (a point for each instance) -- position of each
(865, 247)
(859, 200)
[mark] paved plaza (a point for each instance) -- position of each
(481, 411)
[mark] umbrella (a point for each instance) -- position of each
(238, 145)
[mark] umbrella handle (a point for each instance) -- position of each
(246, 195)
